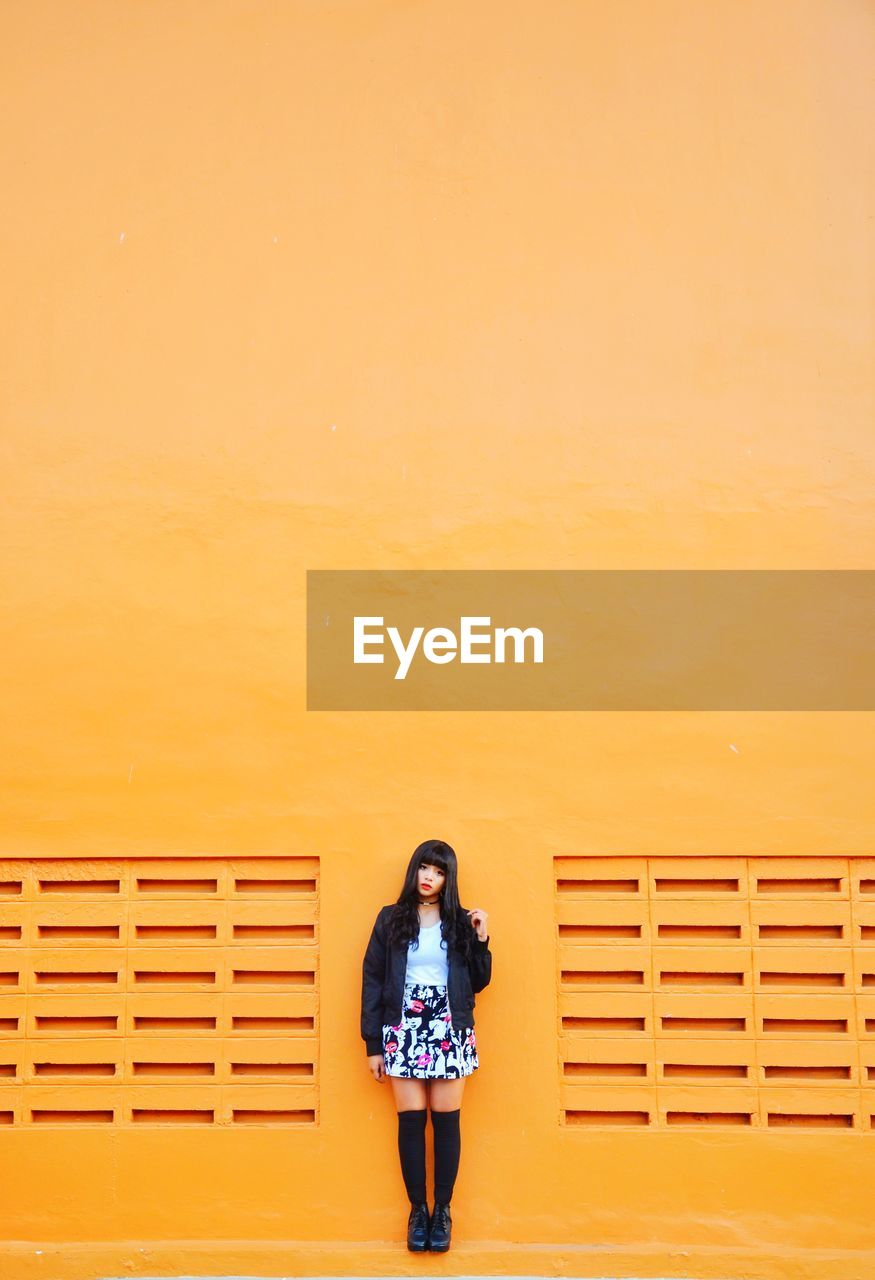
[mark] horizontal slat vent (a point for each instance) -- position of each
(716, 992)
(159, 991)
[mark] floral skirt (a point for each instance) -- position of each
(424, 1043)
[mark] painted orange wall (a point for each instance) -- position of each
(354, 285)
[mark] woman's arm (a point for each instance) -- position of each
(373, 977)
(480, 964)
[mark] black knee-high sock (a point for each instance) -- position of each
(447, 1149)
(411, 1148)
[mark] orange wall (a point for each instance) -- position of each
(358, 285)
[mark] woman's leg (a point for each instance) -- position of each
(444, 1095)
(410, 1093)
(410, 1102)
(445, 1098)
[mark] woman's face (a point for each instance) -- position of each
(431, 881)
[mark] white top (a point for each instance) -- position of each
(428, 961)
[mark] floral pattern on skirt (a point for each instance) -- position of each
(424, 1043)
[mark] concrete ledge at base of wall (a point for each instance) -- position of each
(385, 1260)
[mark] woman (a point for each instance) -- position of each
(426, 958)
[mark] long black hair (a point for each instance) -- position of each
(456, 926)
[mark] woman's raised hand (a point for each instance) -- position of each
(479, 919)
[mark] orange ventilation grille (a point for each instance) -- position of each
(159, 991)
(707, 992)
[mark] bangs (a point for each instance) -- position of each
(437, 858)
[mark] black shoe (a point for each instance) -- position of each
(440, 1228)
(417, 1228)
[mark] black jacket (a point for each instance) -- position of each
(384, 970)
